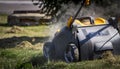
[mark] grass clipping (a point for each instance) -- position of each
(28, 45)
(17, 29)
(24, 44)
(109, 57)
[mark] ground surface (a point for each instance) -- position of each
(21, 48)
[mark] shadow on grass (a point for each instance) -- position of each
(4, 24)
(14, 41)
(7, 25)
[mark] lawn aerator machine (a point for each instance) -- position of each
(84, 38)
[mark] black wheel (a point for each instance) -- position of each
(48, 51)
(71, 53)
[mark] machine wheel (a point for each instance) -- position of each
(48, 51)
(71, 53)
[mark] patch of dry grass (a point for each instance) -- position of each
(16, 29)
(109, 57)
(28, 45)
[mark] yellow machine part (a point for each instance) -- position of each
(58, 30)
(97, 21)
(82, 24)
(87, 2)
(69, 22)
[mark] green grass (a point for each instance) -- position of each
(12, 58)
(23, 50)
(3, 18)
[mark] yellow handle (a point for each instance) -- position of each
(69, 22)
(87, 2)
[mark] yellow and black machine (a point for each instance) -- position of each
(84, 38)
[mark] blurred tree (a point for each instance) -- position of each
(51, 7)
(104, 3)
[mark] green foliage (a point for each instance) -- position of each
(104, 3)
(3, 18)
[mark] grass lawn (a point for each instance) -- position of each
(21, 48)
